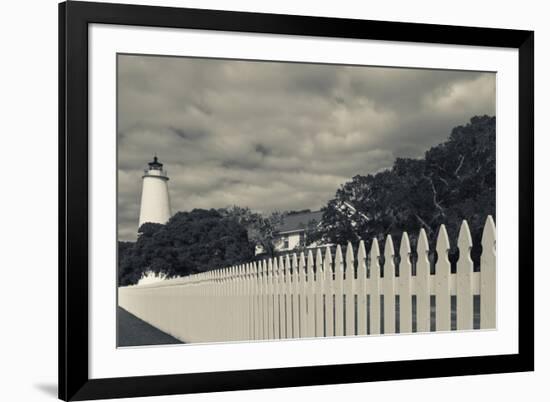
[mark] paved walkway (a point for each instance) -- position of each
(134, 332)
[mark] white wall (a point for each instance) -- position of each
(293, 241)
(28, 239)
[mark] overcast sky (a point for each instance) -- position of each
(277, 136)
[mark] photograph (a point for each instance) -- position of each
(256, 199)
(267, 200)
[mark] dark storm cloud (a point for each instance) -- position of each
(278, 136)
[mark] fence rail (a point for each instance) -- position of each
(348, 293)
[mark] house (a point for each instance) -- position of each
(291, 232)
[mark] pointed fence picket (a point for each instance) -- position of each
(388, 287)
(319, 296)
(361, 286)
(464, 279)
(349, 293)
(443, 282)
(422, 284)
(373, 289)
(405, 285)
(302, 296)
(289, 300)
(338, 293)
(487, 286)
(329, 293)
(309, 295)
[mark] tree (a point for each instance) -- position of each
(261, 229)
(126, 271)
(189, 243)
(455, 180)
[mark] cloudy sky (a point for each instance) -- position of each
(277, 136)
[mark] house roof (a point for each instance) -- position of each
(299, 221)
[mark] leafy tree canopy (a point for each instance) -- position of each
(190, 242)
(262, 229)
(454, 181)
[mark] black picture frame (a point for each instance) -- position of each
(74, 18)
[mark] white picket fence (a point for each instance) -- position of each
(304, 296)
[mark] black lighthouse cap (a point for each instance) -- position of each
(155, 164)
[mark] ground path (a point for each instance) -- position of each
(135, 332)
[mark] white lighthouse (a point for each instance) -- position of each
(155, 201)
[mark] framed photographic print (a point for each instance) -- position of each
(257, 200)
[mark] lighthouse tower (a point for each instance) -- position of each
(155, 202)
